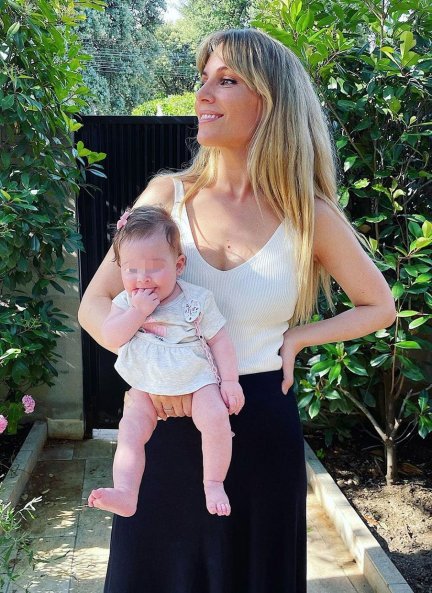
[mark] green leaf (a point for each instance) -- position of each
(19, 372)
(356, 368)
(420, 243)
(408, 345)
(361, 183)
(305, 21)
(332, 395)
(424, 426)
(346, 105)
(423, 402)
(7, 102)
(397, 289)
(419, 321)
(379, 360)
(314, 408)
(305, 400)
(369, 399)
(413, 373)
(57, 286)
(407, 313)
(349, 162)
(335, 372)
(321, 368)
(423, 278)
(395, 105)
(408, 42)
(427, 229)
(415, 229)
(13, 29)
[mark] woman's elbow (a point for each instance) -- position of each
(388, 312)
(82, 315)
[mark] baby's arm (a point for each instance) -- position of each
(225, 358)
(122, 324)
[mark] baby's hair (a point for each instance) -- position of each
(143, 222)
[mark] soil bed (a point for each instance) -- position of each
(399, 516)
(10, 446)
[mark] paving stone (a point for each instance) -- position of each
(53, 566)
(91, 449)
(63, 452)
(59, 483)
(331, 568)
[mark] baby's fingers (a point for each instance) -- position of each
(236, 402)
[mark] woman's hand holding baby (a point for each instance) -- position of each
(144, 300)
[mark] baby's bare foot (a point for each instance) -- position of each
(216, 499)
(115, 500)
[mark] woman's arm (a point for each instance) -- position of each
(106, 283)
(339, 252)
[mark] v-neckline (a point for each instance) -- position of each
(243, 264)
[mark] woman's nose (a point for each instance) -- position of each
(205, 93)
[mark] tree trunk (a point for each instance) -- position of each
(391, 461)
(389, 442)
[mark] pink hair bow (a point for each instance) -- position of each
(123, 220)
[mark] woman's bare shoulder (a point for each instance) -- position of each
(159, 192)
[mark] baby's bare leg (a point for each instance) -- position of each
(135, 429)
(211, 417)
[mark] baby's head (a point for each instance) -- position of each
(147, 248)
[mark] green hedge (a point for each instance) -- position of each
(371, 62)
(41, 171)
(172, 105)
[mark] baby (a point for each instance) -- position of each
(168, 333)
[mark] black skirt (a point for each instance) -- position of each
(173, 545)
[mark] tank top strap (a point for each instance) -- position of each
(178, 213)
(178, 192)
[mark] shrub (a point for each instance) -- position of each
(371, 63)
(14, 542)
(41, 171)
(172, 105)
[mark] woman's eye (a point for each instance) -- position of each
(228, 81)
(131, 270)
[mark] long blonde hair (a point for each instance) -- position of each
(290, 156)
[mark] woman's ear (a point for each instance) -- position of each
(180, 264)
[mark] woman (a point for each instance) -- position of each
(261, 228)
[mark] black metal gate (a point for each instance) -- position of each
(137, 148)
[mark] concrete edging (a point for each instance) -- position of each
(20, 471)
(376, 566)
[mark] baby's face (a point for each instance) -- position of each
(150, 263)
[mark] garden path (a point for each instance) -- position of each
(70, 541)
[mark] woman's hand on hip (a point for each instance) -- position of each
(288, 352)
(172, 406)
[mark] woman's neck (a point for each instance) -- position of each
(232, 175)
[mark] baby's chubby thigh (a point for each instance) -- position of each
(139, 414)
(209, 412)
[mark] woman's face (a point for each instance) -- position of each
(228, 110)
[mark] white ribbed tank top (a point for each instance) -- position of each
(257, 298)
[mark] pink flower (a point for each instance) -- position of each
(3, 423)
(29, 404)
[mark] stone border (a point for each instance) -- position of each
(20, 471)
(376, 566)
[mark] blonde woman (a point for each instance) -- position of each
(261, 228)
